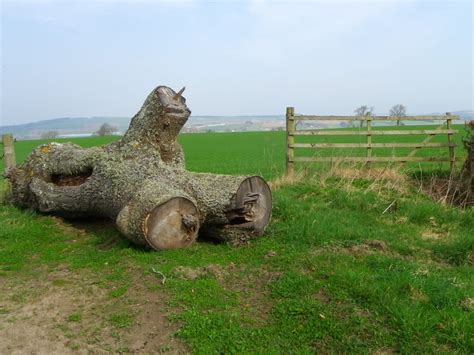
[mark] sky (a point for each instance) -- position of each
(102, 58)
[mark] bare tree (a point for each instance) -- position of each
(363, 110)
(398, 111)
(50, 135)
(106, 129)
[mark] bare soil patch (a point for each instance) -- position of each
(253, 293)
(323, 296)
(468, 304)
(70, 313)
(368, 247)
(213, 270)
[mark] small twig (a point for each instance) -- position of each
(163, 280)
(385, 210)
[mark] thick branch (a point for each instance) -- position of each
(157, 124)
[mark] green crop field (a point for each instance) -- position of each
(264, 152)
(333, 273)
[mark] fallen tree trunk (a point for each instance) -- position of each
(140, 182)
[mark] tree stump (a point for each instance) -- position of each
(141, 183)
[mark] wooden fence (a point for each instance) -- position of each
(8, 151)
(369, 132)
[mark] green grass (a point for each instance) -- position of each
(121, 320)
(314, 283)
(75, 317)
(225, 153)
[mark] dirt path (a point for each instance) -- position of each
(72, 313)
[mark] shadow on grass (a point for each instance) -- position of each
(427, 175)
(109, 237)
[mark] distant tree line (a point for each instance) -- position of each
(50, 135)
(397, 110)
(104, 130)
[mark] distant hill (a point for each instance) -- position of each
(465, 115)
(71, 126)
(64, 126)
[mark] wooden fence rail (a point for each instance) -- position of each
(369, 132)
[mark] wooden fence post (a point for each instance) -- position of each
(369, 137)
(8, 151)
(449, 122)
(290, 140)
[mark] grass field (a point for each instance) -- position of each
(332, 274)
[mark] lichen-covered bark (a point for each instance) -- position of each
(157, 124)
(127, 180)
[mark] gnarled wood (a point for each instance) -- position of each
(141, 183)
